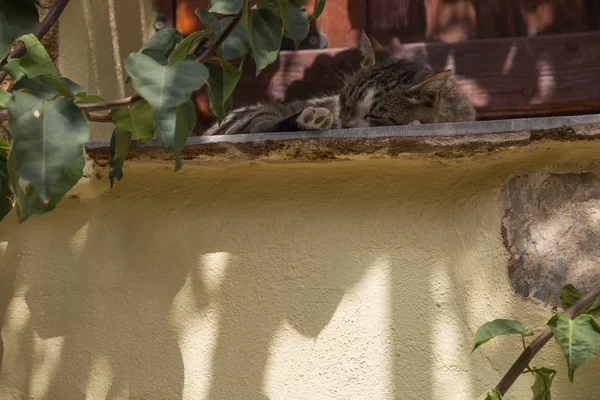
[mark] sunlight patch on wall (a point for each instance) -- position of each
(114, 33)
(100, 379)
(46, 360)
(195, 317)
(79, 239)
(449, 374)
(300, 366)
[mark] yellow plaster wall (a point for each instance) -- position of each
(363, 279)
(96, 36)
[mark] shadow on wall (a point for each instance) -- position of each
(281, 282)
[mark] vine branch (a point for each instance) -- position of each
(44, 27)
(540, 341)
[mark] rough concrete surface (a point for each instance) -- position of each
(552, 230)
(364, 279)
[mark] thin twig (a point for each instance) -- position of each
(539, 341)
(43, 28)
(212, 49)
(4, 148)
(108, 105)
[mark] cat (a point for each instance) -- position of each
(384, 91)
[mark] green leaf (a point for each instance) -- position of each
(46, 136)
(318, 9)
(36, 61)
(12, 68)
(88, 98)
(221, 84)
(298, 24)
(182, 50)
(491, 394)
(120, 143)
(5, 192)
(568, 296)
(29, 202)
(498, 327)
(6, 36)
(225, 7)
(4, 98)
(22, 16)
(543, 381)
(265, 30)
(236, 45)
(165, 88)
(578, 339)
(48, 87)
(159, 46)
(186, 120)
(215, 93)
(137, 118)
(279, 7)
(594, 308)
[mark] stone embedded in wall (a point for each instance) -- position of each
(551, 228)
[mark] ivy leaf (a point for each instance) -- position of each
(22, 16)
(48, 87)
(6, 36)
(279, 7)
(5, 192)
(225, 7)
(578, 339)
(4, 98)
(186, 121)
(221, 84)
(46, 137)
(137, 118)
(236, 45)
(12, 68)
(265, 31)
(543, 381)
(36, 61)
(568, 296)
(182, 50)
(498, 327)
(120, 143)
(218, 104)
(298, 24)
(491, 394)
(159, 46)
(318, 8)
(165, 87)
(29, 202)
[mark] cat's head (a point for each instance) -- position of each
(383, 91)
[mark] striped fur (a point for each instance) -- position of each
(384, 91)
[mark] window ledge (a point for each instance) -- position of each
(451, 139)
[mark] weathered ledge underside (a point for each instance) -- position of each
(444, 140)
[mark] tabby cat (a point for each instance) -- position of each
(384, 91)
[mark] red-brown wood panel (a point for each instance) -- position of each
(501, 77)
(406, 21)
(341, 21)
(187, 21)
(504, 18)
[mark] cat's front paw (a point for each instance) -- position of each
(315, 119)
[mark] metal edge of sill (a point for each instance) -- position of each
(463, 129)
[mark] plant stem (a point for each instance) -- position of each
(44, 27)
(212, 49)
(539, 341)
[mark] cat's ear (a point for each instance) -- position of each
(371, 51)
(429, 90)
